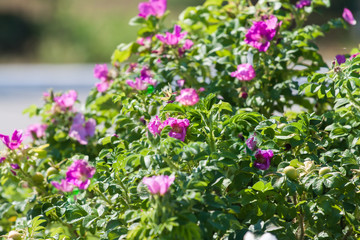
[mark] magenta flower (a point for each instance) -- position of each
(64, 186)
(251, 143)
(79, 174)
(36, 130)
(201, 89)
(179, 127)
(303, 3)
(174, 38)
(348, 16)
(263, 159)
(67, 100)
(261, 33)
(101, 72)
(244, 72)
(158, 184)
(340, 59)
(154, 7)
(188, 97)
(2, 159)
(154, 126)
(81, 130)
(15, 141)
(139, 84)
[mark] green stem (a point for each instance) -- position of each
(300, 220)
(103, 197)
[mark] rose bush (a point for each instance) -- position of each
(189, 135)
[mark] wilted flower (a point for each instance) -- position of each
(340, 59)
(67, 100)
(244, 72)
(348, 16)
(37, 130)
(188, 97)
(179, 127)
(263, 158)
(15, 141)
(154, 126)
(158, 184)
(303, 3)
(64, 186)
(251, 143)
(261, 33)
(79, 174)
(153, 7)
(172, 38)
(81, 130)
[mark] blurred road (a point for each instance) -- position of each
(22, 85)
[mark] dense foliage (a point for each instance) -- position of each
(202, 131)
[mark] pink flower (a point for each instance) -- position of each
(244, 72)
(154, 7)
(263, 158)
(139, 84)
(158, 184)
(103, 86)
(81, 130)
(2, 159)
(154, 126)
(64, 186)
(179, 127)
(172, 38)
(188, 97)
(15, 141)
(348, 16)
(201, 89)
(354, 55)
(187, 45)
(79, 174)
(146, 42)
(261, 33)
(101, 72)
(37, 130)
(67, 100)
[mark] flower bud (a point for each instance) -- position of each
(309, 165)
(324, 171)
(291, 172)
(51, 171)
(38, 178)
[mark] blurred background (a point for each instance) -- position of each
(55, 43)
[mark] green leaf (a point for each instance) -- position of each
(122, 53)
